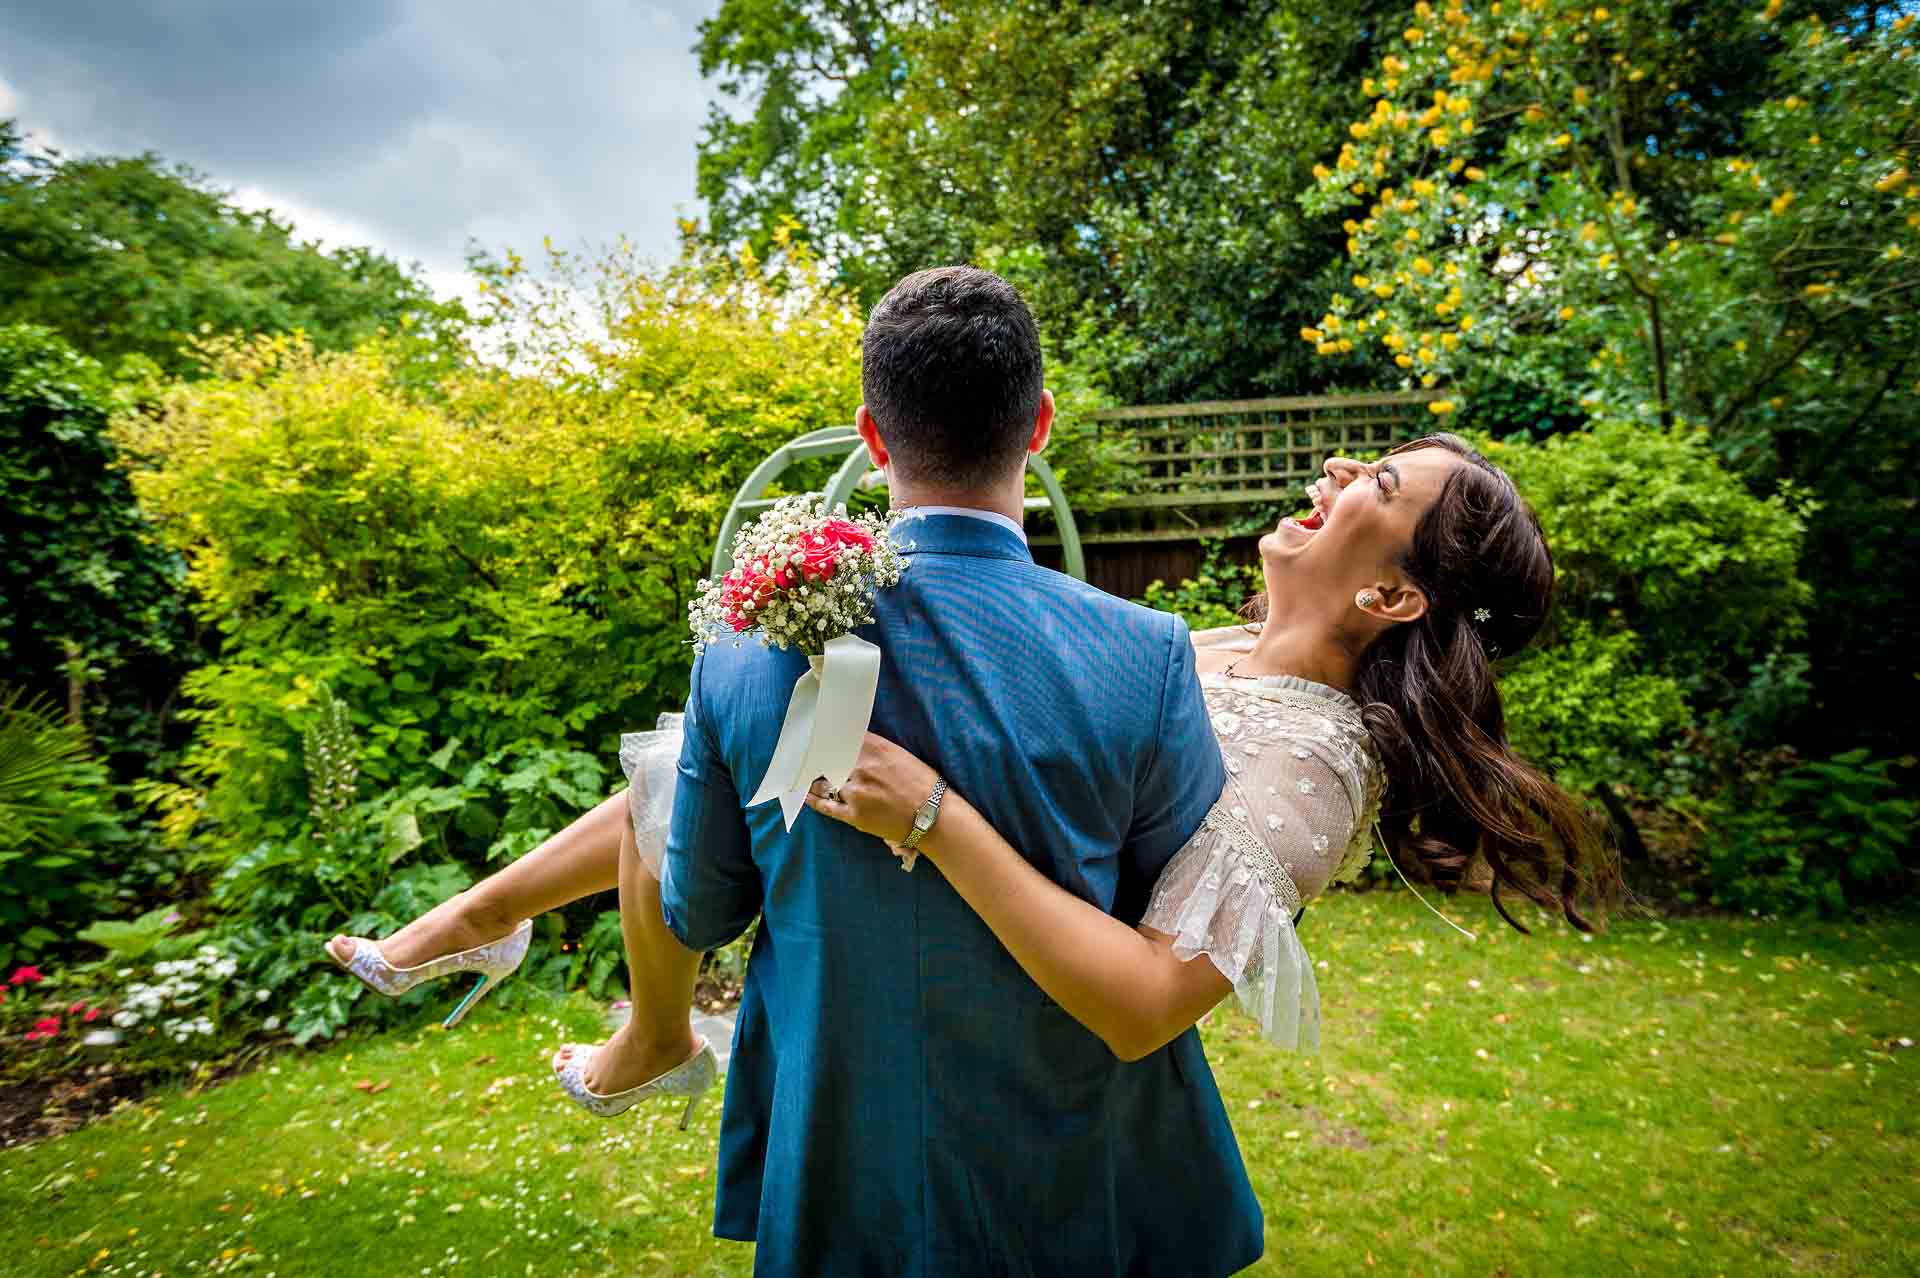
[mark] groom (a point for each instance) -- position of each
(902, 1098)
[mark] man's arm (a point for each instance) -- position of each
(710, 888)
(1178, 782)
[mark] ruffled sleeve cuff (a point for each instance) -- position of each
(651, 761)
(1225, 896)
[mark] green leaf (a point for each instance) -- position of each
(322, 1007)
(403, 833)
(131, 939)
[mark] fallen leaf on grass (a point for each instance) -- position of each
(372, 1088)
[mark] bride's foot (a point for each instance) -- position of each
(449, 927)
(629, 1058)
(690, 1076)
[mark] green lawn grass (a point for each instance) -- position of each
(1704, 1096)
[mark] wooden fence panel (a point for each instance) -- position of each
(1197, 463)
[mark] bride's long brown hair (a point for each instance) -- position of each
(1455, 789)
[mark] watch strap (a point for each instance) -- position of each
(927, 814)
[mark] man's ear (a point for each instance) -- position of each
(1398, 602)
(870, 434)
(1042, 423)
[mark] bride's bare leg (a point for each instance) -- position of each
(662, 971)
(582, 859)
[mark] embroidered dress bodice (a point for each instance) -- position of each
(1303, 789)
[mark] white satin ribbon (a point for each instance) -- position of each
(826, 724)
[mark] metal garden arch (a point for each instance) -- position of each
(833, 441)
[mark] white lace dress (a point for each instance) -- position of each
(1303, 791)
(1303, 788)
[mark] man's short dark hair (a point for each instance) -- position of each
(952, 374)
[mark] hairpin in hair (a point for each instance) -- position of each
(1482, 615)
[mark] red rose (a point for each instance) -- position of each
(844, 532)
(819, 557)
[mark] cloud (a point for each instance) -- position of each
(410, 125)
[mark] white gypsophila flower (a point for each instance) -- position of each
(270, 1024)
(801, 576)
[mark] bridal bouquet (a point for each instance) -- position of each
(804, 578)
(801, 578)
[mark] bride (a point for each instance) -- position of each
(1361, 701)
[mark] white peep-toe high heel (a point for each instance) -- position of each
(494, 961)
(690, 1078)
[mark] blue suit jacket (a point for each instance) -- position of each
(902, 1098)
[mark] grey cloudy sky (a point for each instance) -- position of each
(410, 125)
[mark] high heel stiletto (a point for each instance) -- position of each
(494, 962)
(690, 1079)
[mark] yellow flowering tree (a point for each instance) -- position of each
(1702, 217)
(1536, 190)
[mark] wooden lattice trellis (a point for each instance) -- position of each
(1196, 463)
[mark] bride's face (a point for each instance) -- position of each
(1364, 514)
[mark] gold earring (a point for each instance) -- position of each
(1365, 599)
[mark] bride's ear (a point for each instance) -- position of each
(1397, 603)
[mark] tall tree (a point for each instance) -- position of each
(1135, 164)
(1130, 163)
(128, 256)
(801, 80)
(1751, 273)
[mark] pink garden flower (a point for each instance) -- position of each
(25, 976)
(45, 1027)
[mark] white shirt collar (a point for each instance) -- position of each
(966, 512)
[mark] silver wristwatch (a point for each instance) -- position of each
(924, 818)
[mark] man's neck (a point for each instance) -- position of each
(1008, 499)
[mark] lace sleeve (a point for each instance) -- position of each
(651, 761)
(1232, 893)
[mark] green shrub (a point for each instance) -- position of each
(58, 829)
(91, 609)
(508, 564)
(1584, 709)
(1814, 837)
(1215, 597)
(1651, 533)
